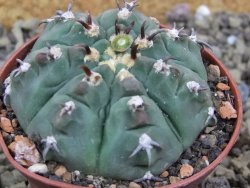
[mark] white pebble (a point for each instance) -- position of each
(39, 168)
(231, 40)
(202, 12)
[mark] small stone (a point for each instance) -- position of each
(215, 182)
(18, 176)
(179, 13)
(113, 186)
(241, 164)
(2, 158)
(231, 40)
(240, 47)
(164, 174)
(91, 186)
(3, 168)
(6, 179)
(4, 41)
(235, 152)
(25, 151)
(222, 171)
(209, 129)
(236, 73)
(14, 123)
(186, 171)
(158, 184)
(244, 92)
(67, 177)
(6, 125)
(3, 113)
(202, 12)
(174, 179)
(213, 72)
(60, 170)
(51, 166)
(220, 94)
(90, 177)
(19, 185)
(208, 140)
(234, 22)
(222, 87)
(134, 185)
(39, 168)
(227, 111)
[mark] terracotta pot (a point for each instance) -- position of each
(37, 181)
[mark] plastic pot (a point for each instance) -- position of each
(37, 181)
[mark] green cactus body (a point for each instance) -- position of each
(129, 112)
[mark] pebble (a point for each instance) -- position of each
(213, 72)
(60, 170)
(208, 140)
(241, 164)
(244, 92)
(220, 94)
(4, 41)
(7, 179)
(179, 13)
(113, 186)
(67, 177)
(164, 174)
(25, 151)
(19, 185)
(216, 182)
(14, 123)
(236, 73)
(227, 111)
(202, 12)
(222, 87)
(134, 185)
(234, 22)
(231, 40)
(6, 125)
(39, 168)
(51, 166)
(18, 177)
(186, 171)
(222, 171)
(174, 179)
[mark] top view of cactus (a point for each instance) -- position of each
(115, 96)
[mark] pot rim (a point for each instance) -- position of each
(207, 54)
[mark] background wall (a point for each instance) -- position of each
(11, 10)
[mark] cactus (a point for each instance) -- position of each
(115, 95)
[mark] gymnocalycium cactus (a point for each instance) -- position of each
(115, 96)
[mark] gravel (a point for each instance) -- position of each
(229, 36)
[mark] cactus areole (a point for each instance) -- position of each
(113, 96)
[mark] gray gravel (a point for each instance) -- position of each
(229, 36)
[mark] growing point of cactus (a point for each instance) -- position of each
(114, 96)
